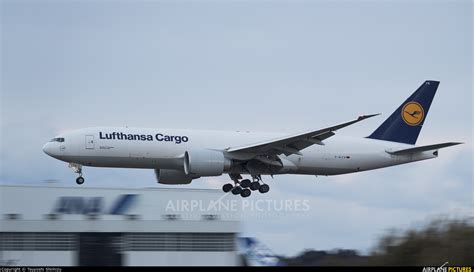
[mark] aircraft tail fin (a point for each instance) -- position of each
(405, 123)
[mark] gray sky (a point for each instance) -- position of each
(261, 66)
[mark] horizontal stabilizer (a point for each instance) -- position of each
(421, 148)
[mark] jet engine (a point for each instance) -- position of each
(205, 162)
(171, 176)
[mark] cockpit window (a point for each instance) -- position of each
(57, 140)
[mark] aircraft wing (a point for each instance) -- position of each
(294, 143)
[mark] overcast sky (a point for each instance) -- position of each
(278, 66)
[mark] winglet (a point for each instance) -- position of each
(362, 117)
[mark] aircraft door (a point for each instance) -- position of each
(90, 142)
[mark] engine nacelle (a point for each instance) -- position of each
(205, 162)
(171, 176)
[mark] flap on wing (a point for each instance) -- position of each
(422, 148)
(294, 143)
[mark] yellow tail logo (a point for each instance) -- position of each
(413, 113)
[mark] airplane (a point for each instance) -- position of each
(181, 156)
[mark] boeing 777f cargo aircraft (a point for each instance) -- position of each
(180, 156)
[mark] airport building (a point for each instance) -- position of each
(69, 226)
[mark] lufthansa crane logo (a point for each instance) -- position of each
(413, 113)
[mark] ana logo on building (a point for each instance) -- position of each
(93, 205)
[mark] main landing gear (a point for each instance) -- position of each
(245, 187)
(77, 168)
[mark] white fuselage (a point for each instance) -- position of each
(164, 149)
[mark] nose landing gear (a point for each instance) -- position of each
(77, 168)
(80, 180)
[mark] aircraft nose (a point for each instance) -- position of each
(48, 149)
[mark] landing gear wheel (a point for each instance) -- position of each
(80, 180)
(245, 183)
(227, 187)
(254, 185)
(264, 188)
(237, 190)
(245, 193)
